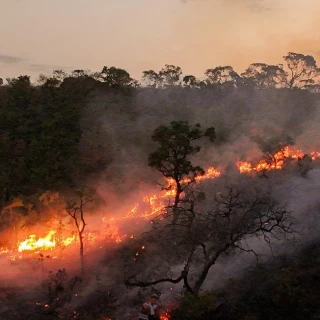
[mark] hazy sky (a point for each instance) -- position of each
(40, 35)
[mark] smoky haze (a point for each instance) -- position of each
(241, 118)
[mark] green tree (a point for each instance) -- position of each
(172, 158)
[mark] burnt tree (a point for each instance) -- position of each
(219, 228)
(76, 212)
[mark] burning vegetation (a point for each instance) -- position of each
(156, 204)
(86, 231)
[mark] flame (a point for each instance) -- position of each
(32, 243)
(165, 316)
(66, 242)
(156, 204)
(276, 161)
(111, 231)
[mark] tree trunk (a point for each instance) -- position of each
(202, 277)
(81, 251)
(176, 202)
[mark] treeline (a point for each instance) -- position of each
(67, 127)
(297, 71)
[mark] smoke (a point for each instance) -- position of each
(238, 116)
(125, 126)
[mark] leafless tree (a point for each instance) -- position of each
(76, 212)
(203, 234)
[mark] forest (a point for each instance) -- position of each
(202, 191)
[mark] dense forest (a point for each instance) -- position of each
(98, 131)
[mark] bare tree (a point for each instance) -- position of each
(202, 236)
(76, 212)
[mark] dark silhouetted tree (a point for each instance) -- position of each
(221, 75)
(76, 212)
(265, 76)
(218, 227)
(117, 78)
(191, 81)
(152, 79)
(172, 158)
(170, 75)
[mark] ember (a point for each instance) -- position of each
(165, 316)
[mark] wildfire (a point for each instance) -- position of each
(48, 242)
(4, 250)
(275, 161)
(156, 204)
(32, 243)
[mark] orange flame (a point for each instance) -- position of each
(276, 162)
(156, 204)
(32, 243)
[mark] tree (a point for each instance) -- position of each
(54, 203)
(304, 165)
(221, 75)
(17, 216)
(59, 75)
(232, 218)
(117, 77)
(302, 70)
(172, 158)
(170, 75)
(273, 149)
(79, 73)
(152, 79)
(76, 212)
(265, 76)
(191, 81)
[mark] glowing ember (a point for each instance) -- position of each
(4, 250)
(165, 316)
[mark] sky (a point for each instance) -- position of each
(38, 36)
